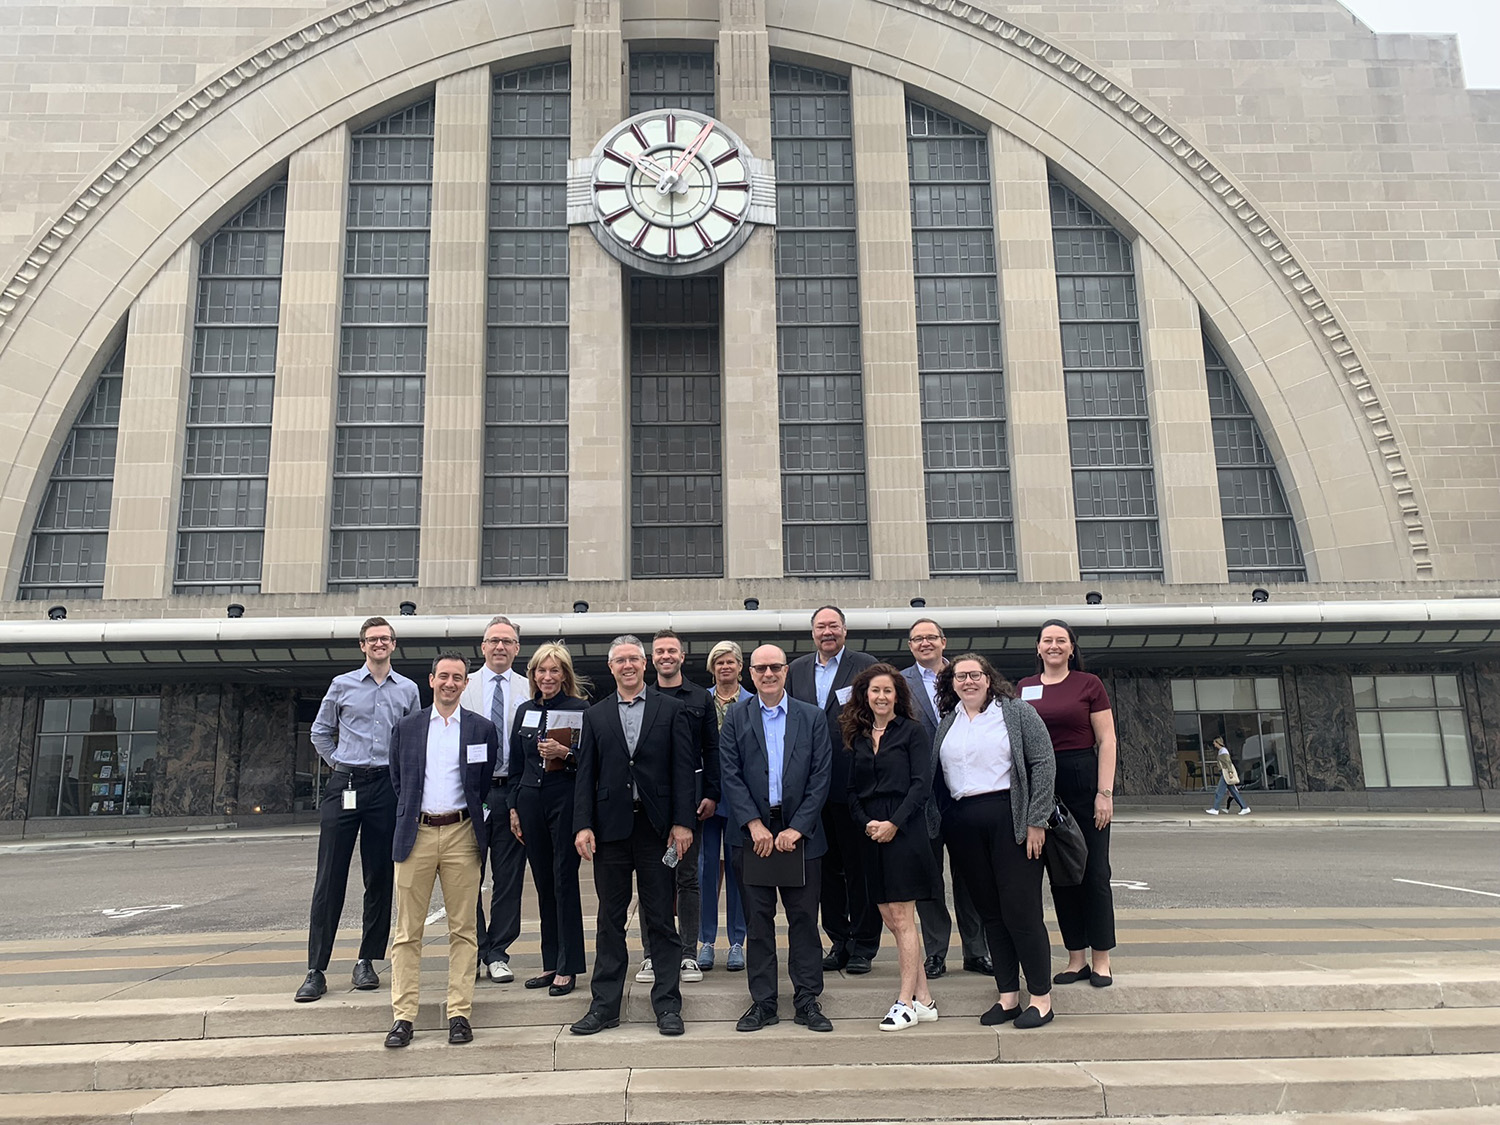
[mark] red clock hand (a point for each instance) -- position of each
(669, 181)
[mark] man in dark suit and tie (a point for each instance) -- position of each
(442, 760)
(775, 762)
(927, 641)
(632, 801)
(850, 916)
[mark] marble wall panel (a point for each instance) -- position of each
(266, 725)
(188, 754)
(227, 751)
(1142, 705)
(12, 750)
(1326, 758)
(1482, 685)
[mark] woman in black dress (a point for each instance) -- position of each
(541, 813)
(889, 780)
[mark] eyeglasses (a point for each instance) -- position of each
(379, 641)
(492, 641)
(762, 669)
(960, 677)
(924, 639)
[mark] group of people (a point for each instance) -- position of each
(835, 786)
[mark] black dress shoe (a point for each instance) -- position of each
(756, 1017)
(812, 1018)
(594, 1022)
(313, 987)
(979, 965)
(562, 989)
(1072, 976)
(1099, 980)
(1033, 1018)
(399, 1034)
(936, 966)
(669, 1023)
(857, 965)
(459, 1030)
(999, 1014)
(837, 958)
(543, 981)
(365, 978)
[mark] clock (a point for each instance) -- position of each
(671, 192)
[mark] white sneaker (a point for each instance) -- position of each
(500, 972)
(926, 1013)
(899, 1018)
(645, 974)
(689, 970)
(1244, 812)
(1212, 812)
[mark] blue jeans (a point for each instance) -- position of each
(716, 844)
(1234, 794)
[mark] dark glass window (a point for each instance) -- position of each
(825, 523)
(376, 510)
(525, 517)
(1109, 429)
(672, 80)
(1260, 535)
(969, 523)
(95, 756)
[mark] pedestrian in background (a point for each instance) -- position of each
(1229, 780)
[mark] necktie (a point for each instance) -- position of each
(497, 716)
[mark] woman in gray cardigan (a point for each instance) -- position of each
(993, 774)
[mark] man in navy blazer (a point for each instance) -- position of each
(851, 917)
(632, 800)
(776, 763)
(442, 760)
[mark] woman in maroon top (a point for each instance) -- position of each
(1075, 707)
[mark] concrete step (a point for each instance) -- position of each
(314, 1058)
(1345, 1089)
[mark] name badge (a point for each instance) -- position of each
(1031, 691)
(531, 720)
(844, 694)
(479, 752)
(349, 798)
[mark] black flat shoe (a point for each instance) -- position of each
(999, 1014)
(562, 989)
(857, 965)
(756, 1017)
(399, 1034)
(836, 959)
(1033, 1018)
(979, 965)
(812, 1018)
(1099, 980)
(669, 1023)
(1073, 976)
(543, 981)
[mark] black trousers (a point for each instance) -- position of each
(1007, 889)
(804, 954)
(937, 923)
(373, 822)
(614, 863)
(689, 899)
(506, 858)
(1085, 913)
(546, 814)
(851, 918)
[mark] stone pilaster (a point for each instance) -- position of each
(598, 468)
(888, 329)
(148, 461)
(751, 426)
(453, 436)
(307, 353)
(1187, 480)
(1041, 472)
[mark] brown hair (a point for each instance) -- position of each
(1000, 687)
(856, 719)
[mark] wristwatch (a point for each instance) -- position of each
(1110, 793)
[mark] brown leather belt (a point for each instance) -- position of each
(441, 819)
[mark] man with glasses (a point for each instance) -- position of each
(352, 733)
(775, 764)
(495, 691)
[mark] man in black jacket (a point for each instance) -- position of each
(633, 801)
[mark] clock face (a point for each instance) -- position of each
(672, 187)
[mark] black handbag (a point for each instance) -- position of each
(1064, 852)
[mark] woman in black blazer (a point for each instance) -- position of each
(541, 813)
(890, 777)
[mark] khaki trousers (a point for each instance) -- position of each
(449, 853)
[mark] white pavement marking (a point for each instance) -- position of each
(434, 916)
(1130, 884)
(132, 911)
(1446, 887)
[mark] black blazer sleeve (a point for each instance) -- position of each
(586, 783)
(685, 759)
(708, 739)
(917, 747)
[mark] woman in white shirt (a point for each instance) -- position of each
(993, 778)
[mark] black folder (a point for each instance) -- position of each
(779, 869)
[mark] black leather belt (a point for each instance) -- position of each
(441, 819)
(362, 773)
(775, 810)
(637, 806)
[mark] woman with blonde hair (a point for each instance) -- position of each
(726, 662)
(541, 811)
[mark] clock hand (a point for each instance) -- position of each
(647, 165)
(672, 177)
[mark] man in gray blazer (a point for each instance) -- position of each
(775, 761)
(926, 640)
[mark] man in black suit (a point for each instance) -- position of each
(442, 759)
(632, 802)
(775, 762)
(850, 916)
(927, 641)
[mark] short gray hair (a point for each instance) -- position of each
(501, 619)
(623, 640)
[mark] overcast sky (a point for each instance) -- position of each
(1476, 22)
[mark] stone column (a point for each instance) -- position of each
(1041, 471)
(307, 355)
(888, 329)
(1187, 479)
(598, 421)
(453, 435)
(148, 460)
(751, 431)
